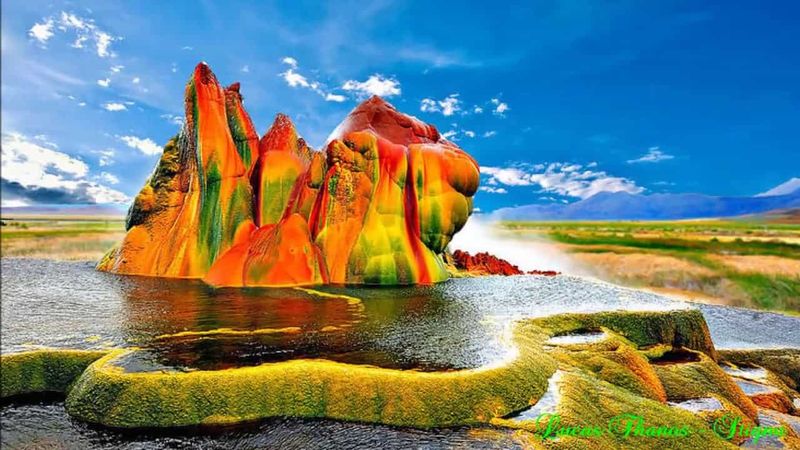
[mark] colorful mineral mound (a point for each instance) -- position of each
(378, 206)
(198, 201)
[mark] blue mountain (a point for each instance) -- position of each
(625, 206)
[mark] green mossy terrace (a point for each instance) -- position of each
(43, 371)
(620, 373)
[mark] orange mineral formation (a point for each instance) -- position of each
(197, 202)
(378, 206)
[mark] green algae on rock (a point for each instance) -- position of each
(43, 371)
(678, 327)
(108, 395)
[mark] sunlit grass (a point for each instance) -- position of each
(703, 243)
(70, 239)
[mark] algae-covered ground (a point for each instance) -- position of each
(609, 380)
(747, 263)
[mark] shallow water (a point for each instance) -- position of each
(46, 425)
(183, 324)
(452, 325)
(698, 404)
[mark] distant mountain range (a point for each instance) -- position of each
(625, 206)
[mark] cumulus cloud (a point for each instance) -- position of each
(335, 98)
(376, 84)
(469, 133)
(493, 190)
(114, 106)
(104, 83)
(144, 145)
(85, 30)
(136, 80)
(450, 135)
(108, 178)
(489, 133)
(653, 155)
(42, 32)
(573, 180)
(173, 119)
(34, 172)
(117, 68)
(447, 106)
(500, 108)
(106, 157)
(290, 61)
(295, 79)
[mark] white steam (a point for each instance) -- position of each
(528, 252)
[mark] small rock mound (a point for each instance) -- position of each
(484, 263)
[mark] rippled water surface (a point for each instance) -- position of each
(183, 324)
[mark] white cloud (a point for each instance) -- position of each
(335, 98)
(85, 30)
(136, 80)
(290, 61)
(450, 135)
(113, 106)
(117, 68)
(447, 106)
(653, 155)
(246, 69)
(376, 84)
(493, 190)
(560, 178)
(35, 173)
(428, 105)
(450, 105)
(291, 76)
(42, 32)
(297, 80)
(106, 157)
(104, 83)
(173, 119)
(469, 134)
(22, 153)
(144, 145)
(109, 178)
(489, 134)
(13, 203)
(294, 79)
(500, 107)
(477, 110)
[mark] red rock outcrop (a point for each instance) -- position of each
(484, 263)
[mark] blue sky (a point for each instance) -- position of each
(556, 100)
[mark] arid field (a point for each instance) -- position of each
(60, 237)
(752, 263)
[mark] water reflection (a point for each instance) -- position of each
(446, 326)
